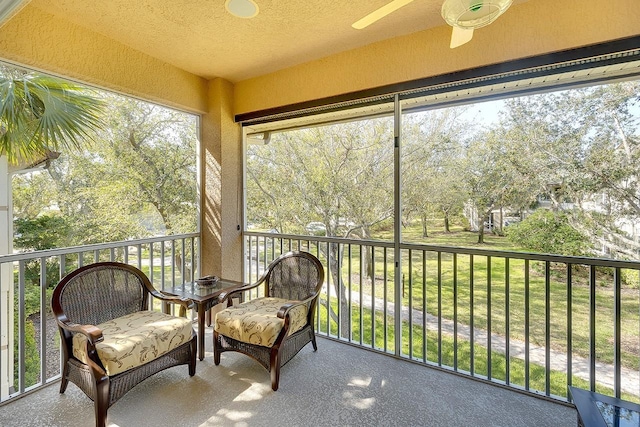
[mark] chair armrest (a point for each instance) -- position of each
(171, 298)
(228, 296)
(286, 308)
(92, 332)
(166, 296)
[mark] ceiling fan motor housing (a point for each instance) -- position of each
(472, 14)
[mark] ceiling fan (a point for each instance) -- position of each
(463, 15)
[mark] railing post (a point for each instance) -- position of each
(455, 311)
(7, 336)
(439, 308)
(339, 290)
(569, 325)
(489, 317)
(373, 297)
(328, 278)
(547, 327)
(44, 302)
(617, 342)
(410, 268)
(360, 294)
(349, 290)
(592, 328)
(507, 329)
(21, 328)
(471, 310)
(384, 298)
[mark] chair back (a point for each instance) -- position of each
(294, 276)
(99, 292)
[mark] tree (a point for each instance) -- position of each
(38, 234)
(153, 150)
(41, 113)
(41, 233)
(486, 183)
(432, 147)
(449, 198)
(340, 175)
(500, 172)
(32, 194)
(609, 184)
(138, 180)
(581, 149)
(311, 175)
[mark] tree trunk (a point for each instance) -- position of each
(186, 274)
(423, 219)
(339, 290)
(481, 233)
(446, 222)
(487, 217)
(368, 252)
(368, 264)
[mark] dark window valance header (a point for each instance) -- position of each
(572, 60)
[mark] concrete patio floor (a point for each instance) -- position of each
(340, 385)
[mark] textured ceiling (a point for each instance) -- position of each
(199, 36)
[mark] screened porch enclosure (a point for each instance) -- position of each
(411, 202)
(417, 322)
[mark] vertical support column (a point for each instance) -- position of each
(6, 283)
(397, 224)
(221, 174)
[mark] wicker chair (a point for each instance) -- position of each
(273, 328)
(88, 304)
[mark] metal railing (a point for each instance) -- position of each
(537, 323)
(533, 322)
(29, 348)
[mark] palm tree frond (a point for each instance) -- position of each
(40, 113)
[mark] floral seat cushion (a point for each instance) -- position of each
(257, 322)
(135, 339)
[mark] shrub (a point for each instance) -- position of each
(550, 232)
(32, 355)
(631, 278)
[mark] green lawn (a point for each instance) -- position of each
(490, 298)
(457, 237)
(490, 294)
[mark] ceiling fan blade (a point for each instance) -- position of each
(460, 36)
(380, 13)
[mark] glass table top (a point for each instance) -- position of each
(191, 289)
(616, 416)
